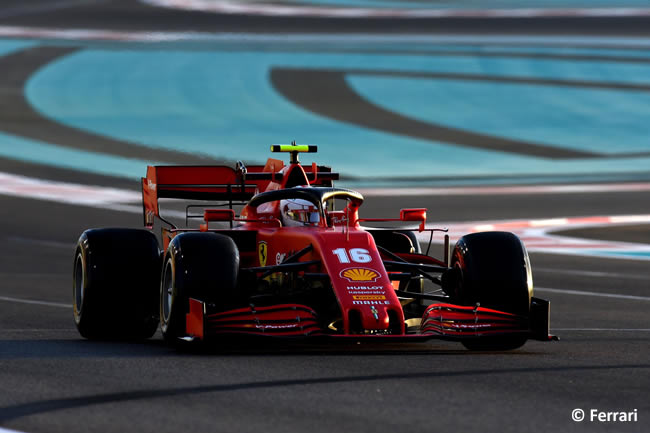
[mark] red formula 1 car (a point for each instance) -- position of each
(295, 261)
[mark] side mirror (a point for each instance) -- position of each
(217, 215)
(416, 214)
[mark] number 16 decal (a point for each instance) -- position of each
(358, 255)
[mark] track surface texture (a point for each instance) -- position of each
(52, 380)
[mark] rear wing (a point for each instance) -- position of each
(217, 183)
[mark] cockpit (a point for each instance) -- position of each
(305, 206)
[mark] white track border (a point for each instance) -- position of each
(537, 234)
(274, 9)
(6, 430)
(107, 35)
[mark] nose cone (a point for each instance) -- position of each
(374, 318)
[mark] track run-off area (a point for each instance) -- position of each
(522, 116)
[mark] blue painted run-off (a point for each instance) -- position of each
(221, 103)
(11, 46)
(640, 255)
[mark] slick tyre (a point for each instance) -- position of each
(203, 266)
(493, 269)
(115, 284)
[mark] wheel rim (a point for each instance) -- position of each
(167, 292)
(79, 283)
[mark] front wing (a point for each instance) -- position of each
(440, 321)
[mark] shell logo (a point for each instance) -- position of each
(359, 274)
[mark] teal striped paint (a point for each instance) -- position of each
(602, 121)
(641, 255)
(33, 151)
(222, 104)
(8, 46)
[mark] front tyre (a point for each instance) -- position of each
(203, 266)
(493, 269)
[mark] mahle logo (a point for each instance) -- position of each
(359, 274)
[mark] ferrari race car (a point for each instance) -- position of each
(278, 251)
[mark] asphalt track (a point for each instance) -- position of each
(51, 380)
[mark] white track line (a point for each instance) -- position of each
(539, 235)
(539, 289)
(6, 430)
(40, 330)
(41, 242)
(603, 329)
(536, 234)
(271, 9)
(30, 301)
(64, 192)
(597, 294)
(317, 38)
(508, 190)
(75, 194)
(591, 273)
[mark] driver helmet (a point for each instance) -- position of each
(298, 212)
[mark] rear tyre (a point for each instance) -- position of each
(493, 269)
(115, 284)
(203, 266)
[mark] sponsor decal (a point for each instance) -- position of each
(374, 312)
(370, 302)
(262, 252)
(151, 185)
(359, 274)
(149, 218)
(366, 290)
(351, 288)
(471, 326)
(288, 326)
(279, 258)
(369, 297)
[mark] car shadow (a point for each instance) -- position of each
(81, 348)
(9, 413)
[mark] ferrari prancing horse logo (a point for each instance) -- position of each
(262, 252)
